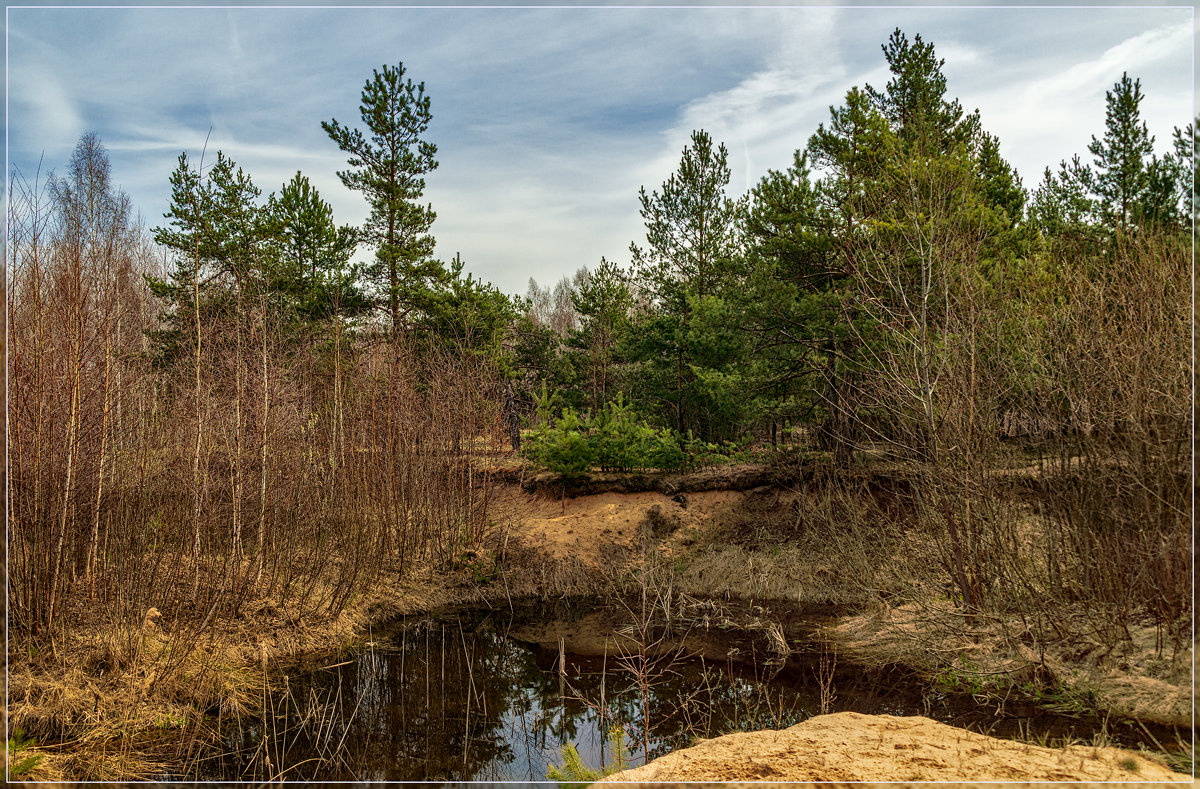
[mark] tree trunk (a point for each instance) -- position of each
(514, 421)
(262, 491)
(92, 550)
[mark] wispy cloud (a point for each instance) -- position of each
(1043, 118)
(549, 120)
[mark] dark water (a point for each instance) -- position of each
(478, 696)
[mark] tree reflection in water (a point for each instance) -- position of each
(456, 699)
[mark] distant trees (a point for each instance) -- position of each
(389, 168)
(1126, 185)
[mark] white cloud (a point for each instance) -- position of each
(549, 120)
(1043, 118)
(52, 111)
(1130, 55)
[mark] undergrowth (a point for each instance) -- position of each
(19, 763)
(576, 774)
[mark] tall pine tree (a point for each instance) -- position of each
(1122, 174)
(389, 169)
(692, 239)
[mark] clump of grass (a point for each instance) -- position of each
(576, 774)
(1130, 763)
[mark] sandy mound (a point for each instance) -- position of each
(849, 746)
(588, 528)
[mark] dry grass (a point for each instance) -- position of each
(1131, 681)
(101, 710)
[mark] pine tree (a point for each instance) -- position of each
(1122, 174)
(1168, 201)
(691, 226)
(692, 239)
(1000, 183)
(313, 253)
(389, 169)
(793, 301)
(602, 301)
(914, 99)
(466, 314)
(850, 151)
(1062, 203)
(217, 231)
(1184, 144)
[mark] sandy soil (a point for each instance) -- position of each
(589, 527)
(848, 746)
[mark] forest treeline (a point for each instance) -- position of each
(227, 406)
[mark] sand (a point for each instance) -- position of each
(849, 746)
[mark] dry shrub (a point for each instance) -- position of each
(1118, 493)
(207, 460)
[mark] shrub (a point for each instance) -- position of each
(614, 440)
(563, 447)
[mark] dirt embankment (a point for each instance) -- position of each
(793, 548)
(848, 746)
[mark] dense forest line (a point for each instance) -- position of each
(228, 407)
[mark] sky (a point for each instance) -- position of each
(549, 120)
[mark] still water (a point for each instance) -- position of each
(480, 696)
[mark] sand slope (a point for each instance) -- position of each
(849, 746)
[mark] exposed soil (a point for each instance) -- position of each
(765, 546)
(848, 746)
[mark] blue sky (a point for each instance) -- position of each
(548, 120)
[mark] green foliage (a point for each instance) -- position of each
(614, 439)
(19, 765)
(483, 567)
(575, 773)
(692, 234)
(466, 314)
(219, 235)
(215, 224)
(661, 450)
(1122, 176)
(618, 439)
(389, 169)
(562, 448)
(313, 254)
(1062, 204)
(602, 302)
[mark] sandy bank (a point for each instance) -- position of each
(848, 746)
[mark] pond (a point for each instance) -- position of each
(495, 695)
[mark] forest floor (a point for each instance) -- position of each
(729, 535)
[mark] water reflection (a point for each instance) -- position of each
(457, 699)
(479, 696)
